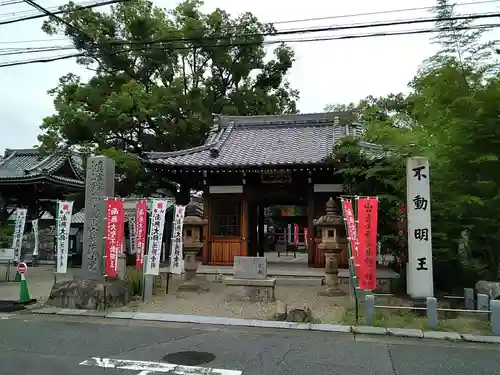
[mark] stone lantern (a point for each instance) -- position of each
(332, 243)
(193, 222)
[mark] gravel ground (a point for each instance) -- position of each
(224, 301)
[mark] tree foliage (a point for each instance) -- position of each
(451, 115)
(158, 77)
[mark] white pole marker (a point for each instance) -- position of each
(146, 367)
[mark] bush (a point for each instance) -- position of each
(133, 278)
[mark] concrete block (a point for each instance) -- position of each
(439, 335)
(369, 309)
(432, 312)
(495, 317)
(71, 312)
(151, 317)
(331, 328)
(368, 330)
(292, 325)
(481, 339)
(405, 332)
(120, 315)
(469, 298)
(47, 310)
(97, 314)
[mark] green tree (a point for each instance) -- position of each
(159, 76)
(450, 116)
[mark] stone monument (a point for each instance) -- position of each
(333, 241)
(250, 275)
(90, 290)
(99, 184)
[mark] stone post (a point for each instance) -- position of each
(99, 183)
(469, 298)
(432, 313)
(332, 243)
(369, 309)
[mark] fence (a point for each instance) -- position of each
(482, 306)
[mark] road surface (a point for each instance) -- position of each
(49, 345)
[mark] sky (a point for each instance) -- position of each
(326, 72)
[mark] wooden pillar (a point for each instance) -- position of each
(206, 227)
(244, 226)
(311, 245)
(261, 229)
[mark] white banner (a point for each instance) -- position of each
(34, 225)
(420, 278)
(17, 238)
(132, 234)
(176, 263)
(155, 237)
(63, 224)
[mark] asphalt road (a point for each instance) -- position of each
(50, 345)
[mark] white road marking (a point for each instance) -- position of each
(4, 316)
(146, 367)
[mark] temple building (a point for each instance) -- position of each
(31, 180)
(250, 163)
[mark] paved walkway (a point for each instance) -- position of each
(40, 280)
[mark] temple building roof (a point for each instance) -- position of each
(234, 141)
(28, 165)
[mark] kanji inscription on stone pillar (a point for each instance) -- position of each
(99, 184)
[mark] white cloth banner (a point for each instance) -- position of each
(17, 238)
(63, 224)
(34, 225)
(420, 279)
(155, 237)
(176, 258)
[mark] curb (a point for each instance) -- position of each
(236, 322)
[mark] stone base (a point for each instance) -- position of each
(254, 290)
(193, 285)
(89, 294)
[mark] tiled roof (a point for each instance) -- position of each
(264, 140)
(25, 164)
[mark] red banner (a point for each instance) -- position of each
(296, 235)
(367, 248)
(352, 232)
(141, 213)
(306, 238)
(114, 235)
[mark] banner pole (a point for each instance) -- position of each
(352, 265)
(56, 242)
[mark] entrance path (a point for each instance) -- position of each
(224, 301)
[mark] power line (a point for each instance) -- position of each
(99, 4)
(51, 14)
(32, 41)
(315, 30)
(33, 12)
(234, 38)
(55, 11)
(10, 2)
(377, 13)
(304, 40)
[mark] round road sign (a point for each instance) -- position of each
(22, 268)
